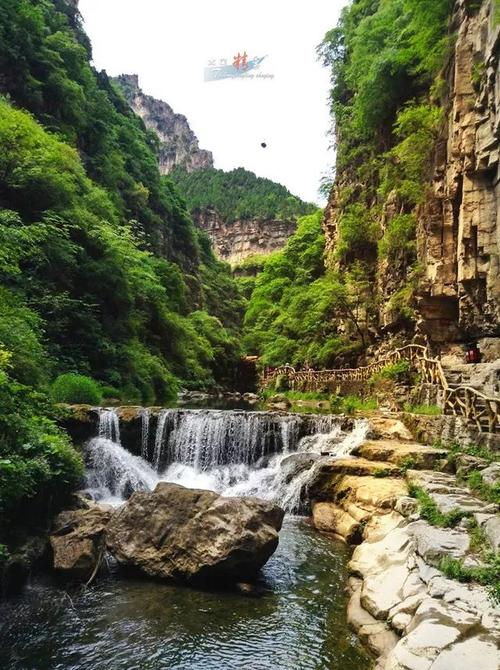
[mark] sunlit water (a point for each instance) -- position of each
(233, 453)
(122, 623)
(298, 623)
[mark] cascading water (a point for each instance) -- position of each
(145, 416)
(236, 453)
(109, 425)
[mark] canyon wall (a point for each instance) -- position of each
(455, 280)
(459, 224)
(178, 144)
(234, 241)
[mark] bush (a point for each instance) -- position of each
(76, 389)
(394, 371)
(111, 392)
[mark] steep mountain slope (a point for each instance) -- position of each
(411, 230)
(105, 270)
(243, 215)
(178, 145)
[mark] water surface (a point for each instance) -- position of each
(298, 623)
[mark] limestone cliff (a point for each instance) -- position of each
(234, 241)
(455, 279)
(459, 225)
(178, 144)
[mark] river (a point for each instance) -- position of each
(297, 621)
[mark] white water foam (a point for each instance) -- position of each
(222, 453)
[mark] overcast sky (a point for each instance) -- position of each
(168, 44)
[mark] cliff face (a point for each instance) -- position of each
(459, 224)
(456, 279)
(234, 241)
(178, 144)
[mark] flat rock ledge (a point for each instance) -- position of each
(408, 614)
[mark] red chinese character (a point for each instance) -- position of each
(240, 61)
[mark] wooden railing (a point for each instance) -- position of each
(463, 401)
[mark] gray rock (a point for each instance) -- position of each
(77, 541)
(465, 464)
(293, 465)
(491, 474)
(435, 543)
(492, 531)
(188, 534)
(477, 653)
(406, 506)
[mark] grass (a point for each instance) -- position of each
(351, 403)
(486, 454)
(426, 410)
(487, 492)
(487, 575)
(295, 395)
(430, 512)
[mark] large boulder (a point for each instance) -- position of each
(77, 541)
(189, 534)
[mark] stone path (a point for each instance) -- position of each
(402, 607)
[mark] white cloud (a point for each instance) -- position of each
(169, 43)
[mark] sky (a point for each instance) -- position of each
(168, 43)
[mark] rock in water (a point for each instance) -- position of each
(77, 541)
(188, 534)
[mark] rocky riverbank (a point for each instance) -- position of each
(402, 605)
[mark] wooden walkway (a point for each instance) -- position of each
(462, 401)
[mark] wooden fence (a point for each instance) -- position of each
(463, 401)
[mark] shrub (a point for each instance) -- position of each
(111, 392)
(76, 389)
(394, 371)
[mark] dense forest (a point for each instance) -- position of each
(106, 287)
(238, 194)
(320, 303)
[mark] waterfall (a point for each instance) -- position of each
(109, 425)
(145, 416)
(264, 454)
(206, 438)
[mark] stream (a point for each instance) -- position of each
(298, 622)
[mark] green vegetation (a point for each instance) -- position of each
(38, 466)
(487, 574)
(295, 310)
(238, 194)
(488, 492)
(297, 395)
(351, 403)
(104, 280)
(385, 58)
(427, 410)
(399, 371)
(76, 389)
(485, 453)
(430, 512)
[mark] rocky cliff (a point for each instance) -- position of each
(459, 224)
(234, 241)
(234, 238)
(178, 144)
(450, 289)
